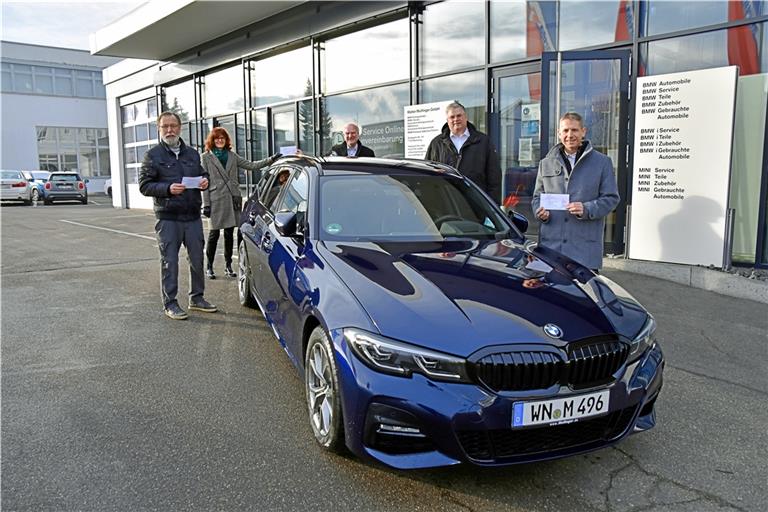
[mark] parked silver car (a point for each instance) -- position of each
(15, 187)
(66, 186)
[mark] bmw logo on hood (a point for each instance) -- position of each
(553, 331)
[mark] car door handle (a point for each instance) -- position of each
(266, 243)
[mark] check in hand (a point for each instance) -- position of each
(542, 214)
(177, 188)
(576, 208)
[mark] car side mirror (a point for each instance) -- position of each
(519, 220)
(285, 223)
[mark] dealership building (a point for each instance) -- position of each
(289, 73)
(52, 106)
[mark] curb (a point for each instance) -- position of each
(724, 283)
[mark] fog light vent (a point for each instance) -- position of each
(394, 431)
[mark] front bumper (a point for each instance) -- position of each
(415, 422)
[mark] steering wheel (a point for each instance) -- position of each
(445, 218)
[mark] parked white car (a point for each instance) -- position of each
(15, 187)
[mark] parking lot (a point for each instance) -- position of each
(108, 405)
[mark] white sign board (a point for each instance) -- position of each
(422, 124)
(682, 162)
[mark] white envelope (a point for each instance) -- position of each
(554, 201)
(191, 181)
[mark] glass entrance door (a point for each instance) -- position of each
(596, 85)
(516, 125)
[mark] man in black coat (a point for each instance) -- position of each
(462, 146)
(351, 145)
(177, 209)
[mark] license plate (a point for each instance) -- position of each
(560, 410)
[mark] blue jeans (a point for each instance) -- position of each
(170, 235)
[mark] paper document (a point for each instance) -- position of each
(191, 181)
(554, 201)
(287, 150)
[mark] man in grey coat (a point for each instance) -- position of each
(573, 167)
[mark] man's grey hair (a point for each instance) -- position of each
(573, 116)
(357, 128)
(455, 105)
(168, 113)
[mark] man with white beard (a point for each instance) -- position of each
(177, 209)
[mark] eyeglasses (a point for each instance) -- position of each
(219, 138)
(169, 126)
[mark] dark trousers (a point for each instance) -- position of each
(213, 240)
(171, 234)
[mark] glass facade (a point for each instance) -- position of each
(479, 53)
(139, 123)
(52, 81)
(84, 150)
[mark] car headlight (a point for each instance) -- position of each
(397, 358)
(643, 340)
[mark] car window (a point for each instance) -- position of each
(65, 177)
(11, 175)
(407, 207)
(40, 175)
(272, 192)
(295, 197)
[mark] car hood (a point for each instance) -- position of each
(461, 295)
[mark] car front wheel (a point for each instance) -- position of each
(35, 195)
(243, 281)
(321, 378)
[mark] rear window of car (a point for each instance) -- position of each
(65, 177)
(11, 175)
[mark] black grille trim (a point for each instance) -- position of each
(586, 363)
(495, 445)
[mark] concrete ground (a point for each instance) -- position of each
(108, 405)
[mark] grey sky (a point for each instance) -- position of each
(62, 24)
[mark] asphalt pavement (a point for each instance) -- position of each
(108, 405)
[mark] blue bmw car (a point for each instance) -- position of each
(428, 330)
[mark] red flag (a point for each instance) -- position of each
(742, 46)
(624, 21)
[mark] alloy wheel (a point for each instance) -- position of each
(319, 389)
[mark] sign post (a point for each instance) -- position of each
(682, 163)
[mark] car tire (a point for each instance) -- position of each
(321, 381)
(109, 191)
(84, 201)
(35, 196)
(243, 280)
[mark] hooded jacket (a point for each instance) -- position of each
(592, 183)
(477, 160)
(160, 168)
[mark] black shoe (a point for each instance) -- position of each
(228, 271)
(209, 273)
(174, 312)
(200, 304)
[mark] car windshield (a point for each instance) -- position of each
(40, 175)
(11, 175)
(65, 177)
(405, 207)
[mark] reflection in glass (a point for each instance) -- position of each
(738, 46)
(223, 91)
(520, 148)
(608, 21)
(282, 77)
(452, 36)
(662, 16)
(259, 135)
(378, 112)
(467, 88)
(385, 49)
(180, 99)
(284, 129)
(306, 127)
(522, 28)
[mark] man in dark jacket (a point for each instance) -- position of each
(177, 208)
(462, 146)
(351, 145)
